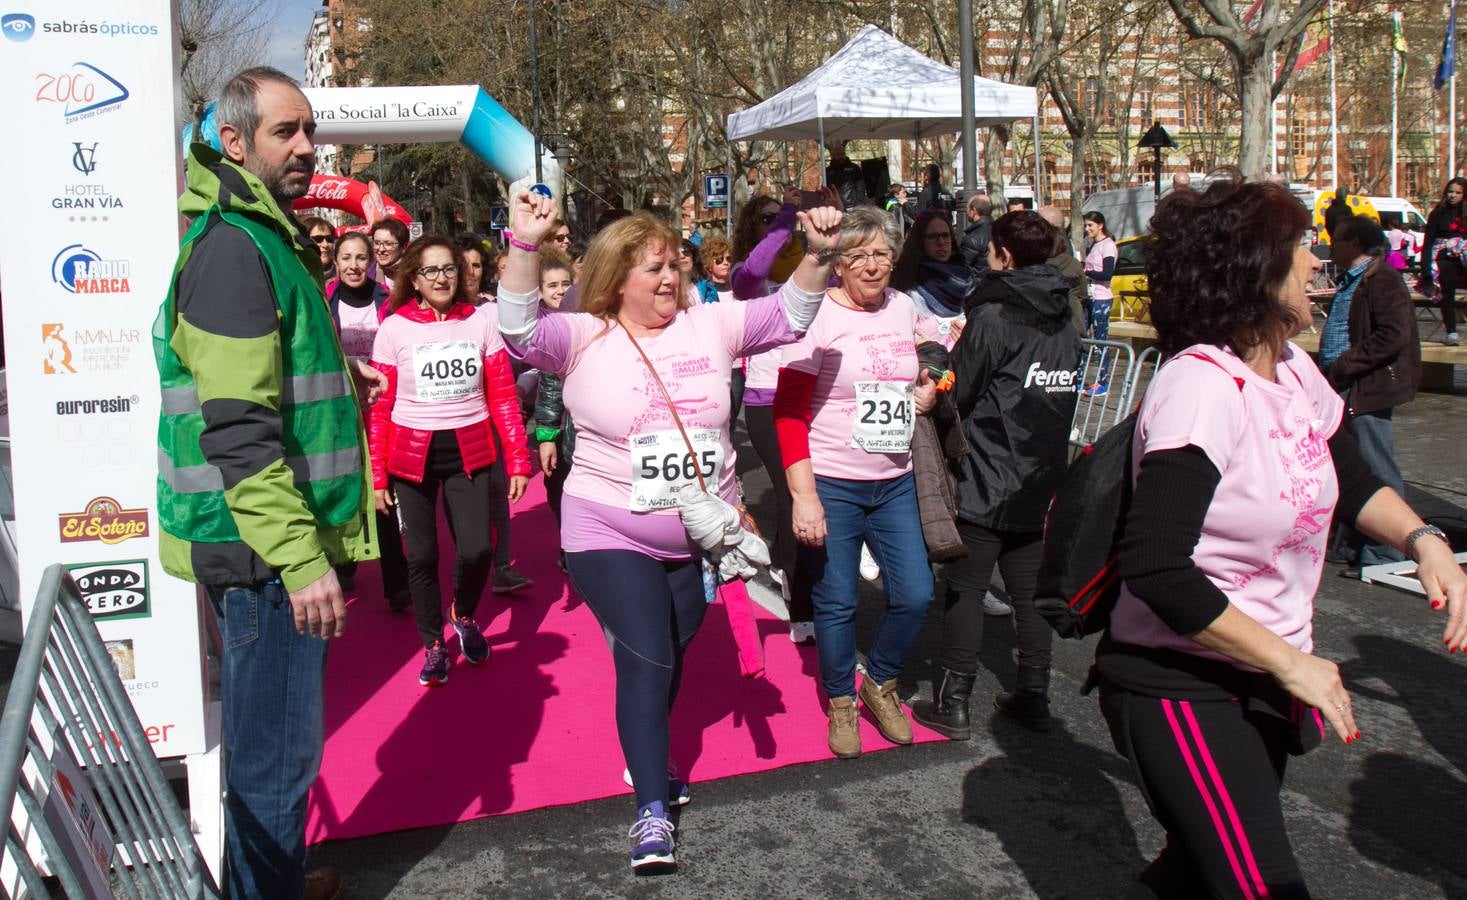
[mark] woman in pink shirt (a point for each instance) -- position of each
(1100, 265)
(1208, 678)
(845, 407)
(447, 376)
(629, 555)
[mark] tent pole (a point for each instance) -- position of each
(728, 210)
(1038, 201)
(820, 151)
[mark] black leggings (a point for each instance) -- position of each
(1449, 276)
(650, 611)
(759, 420)
(1018, 555)
(555, 486)
(466, 500)
(499, 502)
(1211, 773)
(394, 561)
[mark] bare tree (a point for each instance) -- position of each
(1253, 52)
(216, 39)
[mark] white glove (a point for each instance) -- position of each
(715, 526)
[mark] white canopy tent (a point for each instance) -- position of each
(876, 87)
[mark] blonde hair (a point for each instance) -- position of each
(612, 255)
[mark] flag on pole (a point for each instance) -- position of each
(1398, 46)
(1448, 66)
(1316, 39)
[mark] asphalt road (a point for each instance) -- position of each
(1013, 814)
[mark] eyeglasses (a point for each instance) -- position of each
(386, 245)
(322, 238)
(938, 236)
(432, 273)
(882, 259)
(767, 218)
(561, 238)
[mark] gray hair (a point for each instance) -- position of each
(863, 223)
(238, 106)
(980, 205)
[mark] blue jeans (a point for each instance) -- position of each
(1375, 435)
(884, 515)
(272, 737)
(1097, 318)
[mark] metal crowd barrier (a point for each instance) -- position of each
(1096, 415)
(88, 803)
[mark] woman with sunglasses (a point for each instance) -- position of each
(764, 252)
(323, 237)
(447, 376)
(931, 271)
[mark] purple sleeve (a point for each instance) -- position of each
(752, 273)
(765, 325)
(549, 349)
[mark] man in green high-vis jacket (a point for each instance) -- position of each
(262, 481)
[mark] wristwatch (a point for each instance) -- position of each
(1418, 534)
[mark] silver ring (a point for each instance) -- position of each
(1340, 706)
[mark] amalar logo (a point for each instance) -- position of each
(82, 271)
(103, 520)
(114, 590)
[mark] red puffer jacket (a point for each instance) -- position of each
(402, 451)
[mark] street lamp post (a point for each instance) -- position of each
(1156, 138)
(535, 93)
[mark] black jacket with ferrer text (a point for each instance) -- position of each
(1016, 389)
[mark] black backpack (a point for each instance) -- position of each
(1080, 578)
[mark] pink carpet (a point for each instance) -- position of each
(534, 727)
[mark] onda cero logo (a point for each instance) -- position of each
(81, 270)
(113, 590)
(82, 91)
(18, 26)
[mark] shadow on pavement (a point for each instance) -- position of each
(1052, 803)
(1405, 811)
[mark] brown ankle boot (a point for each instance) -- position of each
(844, 734)
(891, 719)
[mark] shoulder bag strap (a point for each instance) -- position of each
(671, 407)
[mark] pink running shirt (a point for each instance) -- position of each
(451, 353)
(1263, 538)
(845, 347)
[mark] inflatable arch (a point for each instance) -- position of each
(421, 115)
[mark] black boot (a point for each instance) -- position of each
(947, 712)
(1029, 705)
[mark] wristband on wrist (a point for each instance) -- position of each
(516, 242)
(1409, 545)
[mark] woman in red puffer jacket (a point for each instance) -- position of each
(447, 374)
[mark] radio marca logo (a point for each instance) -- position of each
(81, 270)
(103, 520)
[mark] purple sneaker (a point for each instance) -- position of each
(471, 640)
(653, 844)
(435, 666)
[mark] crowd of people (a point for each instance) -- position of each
(907, 386)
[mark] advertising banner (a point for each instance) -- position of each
(87, 92)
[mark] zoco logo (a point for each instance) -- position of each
(83, 91)
(114, 590)
(81, 270)
(84, 158)
(103, 520)
(18, 26)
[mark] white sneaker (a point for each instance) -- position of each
(869, 569)
(802, 632)
(1450, 339)
(992, 606)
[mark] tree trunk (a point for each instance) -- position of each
(993, 153)
(1255, 80)
(1079, 156)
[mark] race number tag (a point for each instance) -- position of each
(661, 465)
(447, 370)
(883, 418)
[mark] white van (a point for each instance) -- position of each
(1403, 214)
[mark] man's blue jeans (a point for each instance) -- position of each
(884, 515)
(1376, 437)
(273, 732)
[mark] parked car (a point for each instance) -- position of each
(1395, 213)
